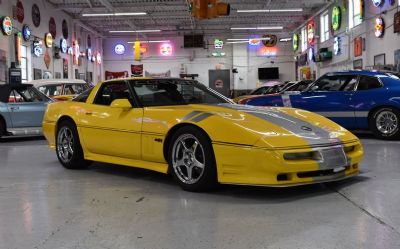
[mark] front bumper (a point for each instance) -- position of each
(266, 167)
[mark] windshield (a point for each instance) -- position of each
(175, 92)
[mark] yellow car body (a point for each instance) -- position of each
(252, 145)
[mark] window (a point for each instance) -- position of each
(26, 95)
(174, 92)
(303, 39)
(355, 12)
(24, 64)
(324, 25)
(83, 96)
(72, 89)
(335, 83)
(112, 91)
(259, 91)
(50, 90)
(367, 83)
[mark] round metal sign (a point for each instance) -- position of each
(6, 25)
(63, 45)
(119, 49)
(26, 32)
(48, 40)
(35, 15)
(336, 18)
(52, 27)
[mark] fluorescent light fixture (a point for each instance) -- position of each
(163, 41)
(247, 39)
(259, 28)
(237, 42)
(135, 31)
(116, 14)
(285, 39)
(237, 39)
(271, 10)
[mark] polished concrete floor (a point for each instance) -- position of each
(43, 205)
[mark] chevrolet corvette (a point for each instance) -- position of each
(182, 128)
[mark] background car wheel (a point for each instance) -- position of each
(384, 123)
(192, 161)
(68, 147)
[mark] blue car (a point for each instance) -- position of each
(353, 99)
(22, 109)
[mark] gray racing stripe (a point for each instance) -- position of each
(201, 117)
(191, 115)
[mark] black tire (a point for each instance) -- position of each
(378, 131)
(2, 128)
(208, 178)
(76, 160)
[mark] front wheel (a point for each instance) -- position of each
(192, 161)
(384, 123)
(68, 146)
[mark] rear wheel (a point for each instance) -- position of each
(384, 123)
(192, 161)
(68, 146)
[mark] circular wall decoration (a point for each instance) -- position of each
(98, 58)
(6, 25)
(378, 3)
(20, 12)
(48, 40)
(35, 15)
(270, 40)
(311, 32)
(63, 46)
(295, 42)
(52, 27)
(64, 27)
(311, 54)
(254, 42)
(26, 32)
(166, 49)
(379, 28)
(337, 44)
(89, 54)
(336, 18)
(119, 49)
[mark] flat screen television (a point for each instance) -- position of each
(268, 73)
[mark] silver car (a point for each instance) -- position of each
(21, 110)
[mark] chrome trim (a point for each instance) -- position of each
(25, 131)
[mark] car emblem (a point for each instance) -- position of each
(305, 128)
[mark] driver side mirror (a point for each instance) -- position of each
(121, 103)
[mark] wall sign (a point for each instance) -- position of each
(35, 15)
(311, 56)
(358, 46)
(119, 49)
(52, 27)
(336, 18)
(47, 58)
(20, 12)
(48, 40)
(270, 40)
(64, 27)
(37, 48)
(379, 28)
(65, 69)
(267, 52)
(295, 42)
(89, 41)
(337, 45)
(63, 46)
(396, 22)
(98, 58)
(89, 54)
(76, 52)
(166, 49)
(311, 32)
(26, 32)
(6, 25)
(218, 44)
(18, 47)
(358, 64)
(254, 42)
(378, 3)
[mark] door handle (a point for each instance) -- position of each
(88, 113)
(13, 108)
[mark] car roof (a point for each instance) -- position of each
(149, 78)
(361, 72)
(55, 82)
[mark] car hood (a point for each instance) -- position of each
(276, 127)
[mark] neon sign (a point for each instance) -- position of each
(378, 3)
(7, 25)
(311, 54)
(18, 47)
(89, 54)
(337, 44)
(98, 58)
(26, 32)
(336, 18)
(311, 32)
(295, 42)
(76, 52)
(37, 48)
(166, 49)
(267, 51)
(254, 42)
(218, 44)
(119, 49)
(379, 28)
(48, 40)
(63, 46)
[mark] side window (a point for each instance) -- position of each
(112, 91)
(71, 89)
(154, 93)
(51, 90)
(367, 83)
(333, 83)
(83, 96)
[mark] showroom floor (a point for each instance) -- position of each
(43, 205)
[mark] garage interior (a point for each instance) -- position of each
(43, 205)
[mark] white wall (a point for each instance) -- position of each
(373, 45)
(199, 61)
(47, 11)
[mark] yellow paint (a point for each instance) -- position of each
(248, 150)
(136, 49)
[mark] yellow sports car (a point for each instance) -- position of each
(185, 129)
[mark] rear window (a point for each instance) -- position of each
(367, 83)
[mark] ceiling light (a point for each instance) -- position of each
(237, 42)
(135, 31)
(259, 28)
(162, 41)
(271, 10)
(285, 39)
(237, 39)
(116, 14)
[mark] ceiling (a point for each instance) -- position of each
(173, 18)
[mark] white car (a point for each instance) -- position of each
(60, 89)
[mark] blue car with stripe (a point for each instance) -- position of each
(353, 99)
